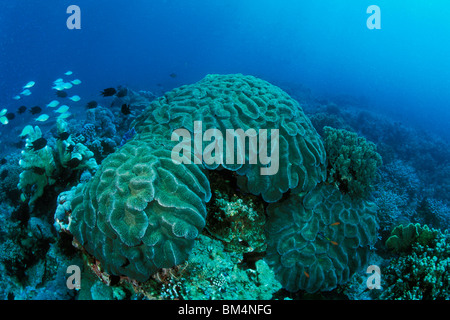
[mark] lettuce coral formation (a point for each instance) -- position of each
(319, 239)
(142, 211)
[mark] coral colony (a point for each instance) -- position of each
(220, 189)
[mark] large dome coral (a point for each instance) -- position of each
(318, 240)
(225, 102)
(142, 210)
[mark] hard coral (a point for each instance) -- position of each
(142, 211)
(352, 161)
(318, 240)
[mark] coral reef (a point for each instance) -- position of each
(224, 102)
(352, 161)
(318, 240)
(142, 211)
(420, 272)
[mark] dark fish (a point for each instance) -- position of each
(21, 109)
(38, 170)
(38, 144)
(73, 163)
(122, 93)
(125, 109)
(173, 75)
(61, 94)
(35, 110)
(4, 174)
(3, 161)
(63, 136)
(108, 92)
(92, 105)
(10, 116)
(70, 148)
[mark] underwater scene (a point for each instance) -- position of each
(234, 150)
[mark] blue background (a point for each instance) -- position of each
(402, 69)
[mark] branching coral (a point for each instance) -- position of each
(420, 272)
(352, 161)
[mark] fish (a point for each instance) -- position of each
(306, 274)
(66, 85)
(64, 115)
(92, 105)
(29, 85)
(3, 118)
(61, 94)
(70, 148)
(3, 161)
(331, 241)
(42, 118)
(58, 87)
(173, 75)
(73, 163)
(125, 109)
(62, 109)
(68, 73)
(108, 92)
(21, 109)
(63, 136)
(26, 131)
(35, 110)
(38, 144)
(26, 92)
(10, 116)
(76, 82)
(17, 97)
(53, 104)
(57, 81)
(335, 223)
(75, 98)
(38, 170)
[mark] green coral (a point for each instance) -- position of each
(352, 161)
(38, 168)
(212, 273)
(318, 240)
(244, 102)
(142, 211)
(41, 167)
(420, 272)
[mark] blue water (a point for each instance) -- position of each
(325, 45)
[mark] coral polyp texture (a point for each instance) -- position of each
(318, 240)
(235, 102)
(142, 210)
